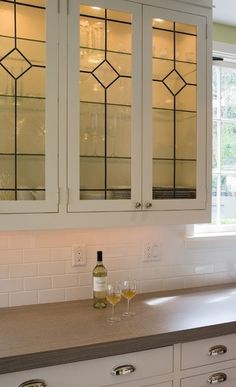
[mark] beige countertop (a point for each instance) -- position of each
(50, 334)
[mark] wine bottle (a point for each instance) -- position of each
(99, 283)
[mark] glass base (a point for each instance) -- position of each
(112, 320)
(129, 314)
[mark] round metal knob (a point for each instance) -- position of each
(148, 205)
(34, 383)
(138, 205)
(220, 377)
(217, 350)
(124, 369)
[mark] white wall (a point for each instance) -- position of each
(35, 267)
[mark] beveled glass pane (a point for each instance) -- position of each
(161, 96)
(120, 92)
(163, 24)
(186, 135)
(92, 173)
(163, 44)
(228, 199)
(187, 28)
(31, 172)
(7, 85)
(6, 45)
(15, 63)
(7, 195)
(92, 195)
(105, 74)
(33, 51)
(163, 133)
(228, 97)
(188, 71)
(7, 125)
(161, 68)
(119, 37)
(185, 174)
(163, 173)
(90, 59)
(6, 19)
(118, 131)
(92, 129)
(214, 145)
(90, 89)
(187, 99)
(118, 173)
(228, 146)
(186, 47)
(174, 82)
(31, 126)
(7, 172)
(121, 62)
(30, 23)
(92, 33)
(32, 83)
(120, 16)
(92, 11)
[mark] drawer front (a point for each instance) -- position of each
(223, 378)
(141, 383)
(98, 372)
(208, 351)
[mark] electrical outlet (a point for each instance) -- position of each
(78, 255)
(151, 252)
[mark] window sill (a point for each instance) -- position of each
(211, 240)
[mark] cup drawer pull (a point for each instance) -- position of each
(217, 350)
(123, 369)
(217, 378)
(34, 383)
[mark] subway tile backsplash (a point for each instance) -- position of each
(36, 267)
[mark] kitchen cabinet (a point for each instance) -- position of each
(125, 132)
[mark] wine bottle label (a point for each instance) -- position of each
(99, 284)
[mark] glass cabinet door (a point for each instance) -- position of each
(104, 105)
(175, 98)
(28, 123)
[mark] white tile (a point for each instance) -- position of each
(11, 256)
(151, 286)
(37, 283)
(4, 300)
(64, 281)
(174, 283)
(11, 285)
(23, 298)
(204, 269)
(4, 271)
(79, 293)
(88, 268)
(51, 268)
(61, 254)
(85, 279)
(21, 240)
(37, 255)
(52, 295)
(3, 242)
(23, 270)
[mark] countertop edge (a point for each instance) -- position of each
(94, 351)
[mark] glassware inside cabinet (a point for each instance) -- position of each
(105, 103)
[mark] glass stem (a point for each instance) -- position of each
(128, 306)
(112, 312)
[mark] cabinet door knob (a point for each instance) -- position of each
(148, 205)
(220, 377)
(138, 205)
(217, 350)
(124, 369)
(34, 383)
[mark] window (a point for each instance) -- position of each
(224, 146)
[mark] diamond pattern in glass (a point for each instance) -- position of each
(15, 63)
(174, 82)
(106, 74)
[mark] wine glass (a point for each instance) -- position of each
(129, 290)
(113, 296)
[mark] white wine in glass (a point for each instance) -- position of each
(129, 290)
(113, 296)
